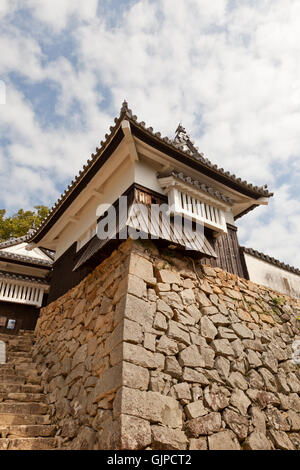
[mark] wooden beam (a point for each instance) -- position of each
(129, 140)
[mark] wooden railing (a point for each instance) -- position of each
(12, 291)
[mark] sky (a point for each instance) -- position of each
(229, 70)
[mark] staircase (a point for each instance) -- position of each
(24, 415)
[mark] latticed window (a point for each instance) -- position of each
(198, 210)
(17, 292)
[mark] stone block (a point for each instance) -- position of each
(152, 406)
(220, 320)
(222, 365)
(163, 307)
(236, 380)
(204, 425)
(110, 381)
(237, 423)
(160, 322)
(182, 391)
(194, 312)
(224, 440)
(135, 433)
(141, 267)
(167, 346)
(242, 331)
(233, 294)
(164, 438)
(202, 299)
(190, 357)
(210, 310)
(172, 299)
(138, 355)
(240, 401)
(192, 375)
(149, 341)
(177, 333)
(172, 367)
(215, 398)
(169, 277)
(280, 440)
(136, 286)
(198, 444)
(134, 376)
(222, 347)
(269, 380)
(187, 296)
(195, 409)
(208, 329)
(257, 441)
(253, 359)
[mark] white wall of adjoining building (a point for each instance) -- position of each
(21, 249)
(269, 275)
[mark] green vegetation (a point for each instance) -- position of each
(18, 224)
(278, 301)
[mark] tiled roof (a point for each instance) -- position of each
(15, 241)
(26, 259)
(201, 186)
(22, 277)
(193, 154)
(270, 260)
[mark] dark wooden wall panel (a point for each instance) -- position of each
(26, 315)
(63, 276)
(228, 251)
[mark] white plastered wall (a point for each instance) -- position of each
(119, 181)
(272, 276)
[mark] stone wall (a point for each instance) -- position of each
(75, 340)
(155, 351)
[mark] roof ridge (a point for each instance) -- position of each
(14, 241)
(23, 277)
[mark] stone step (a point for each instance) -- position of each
(31, 430)
(23, 397)
(29, 443)
(7, 368)
(24, 347)
(25, 366)
(24, 408)
(11, 379)
(19, 388)
(33, 379)
(10, 419)
(20, 359)
(24, 374)
(15, 354)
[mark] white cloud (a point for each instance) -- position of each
(231, 74)
(57, 13)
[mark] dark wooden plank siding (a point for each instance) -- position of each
(228, 251)
(25, 315)
(63, 276)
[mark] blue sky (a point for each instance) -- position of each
(228, 69)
